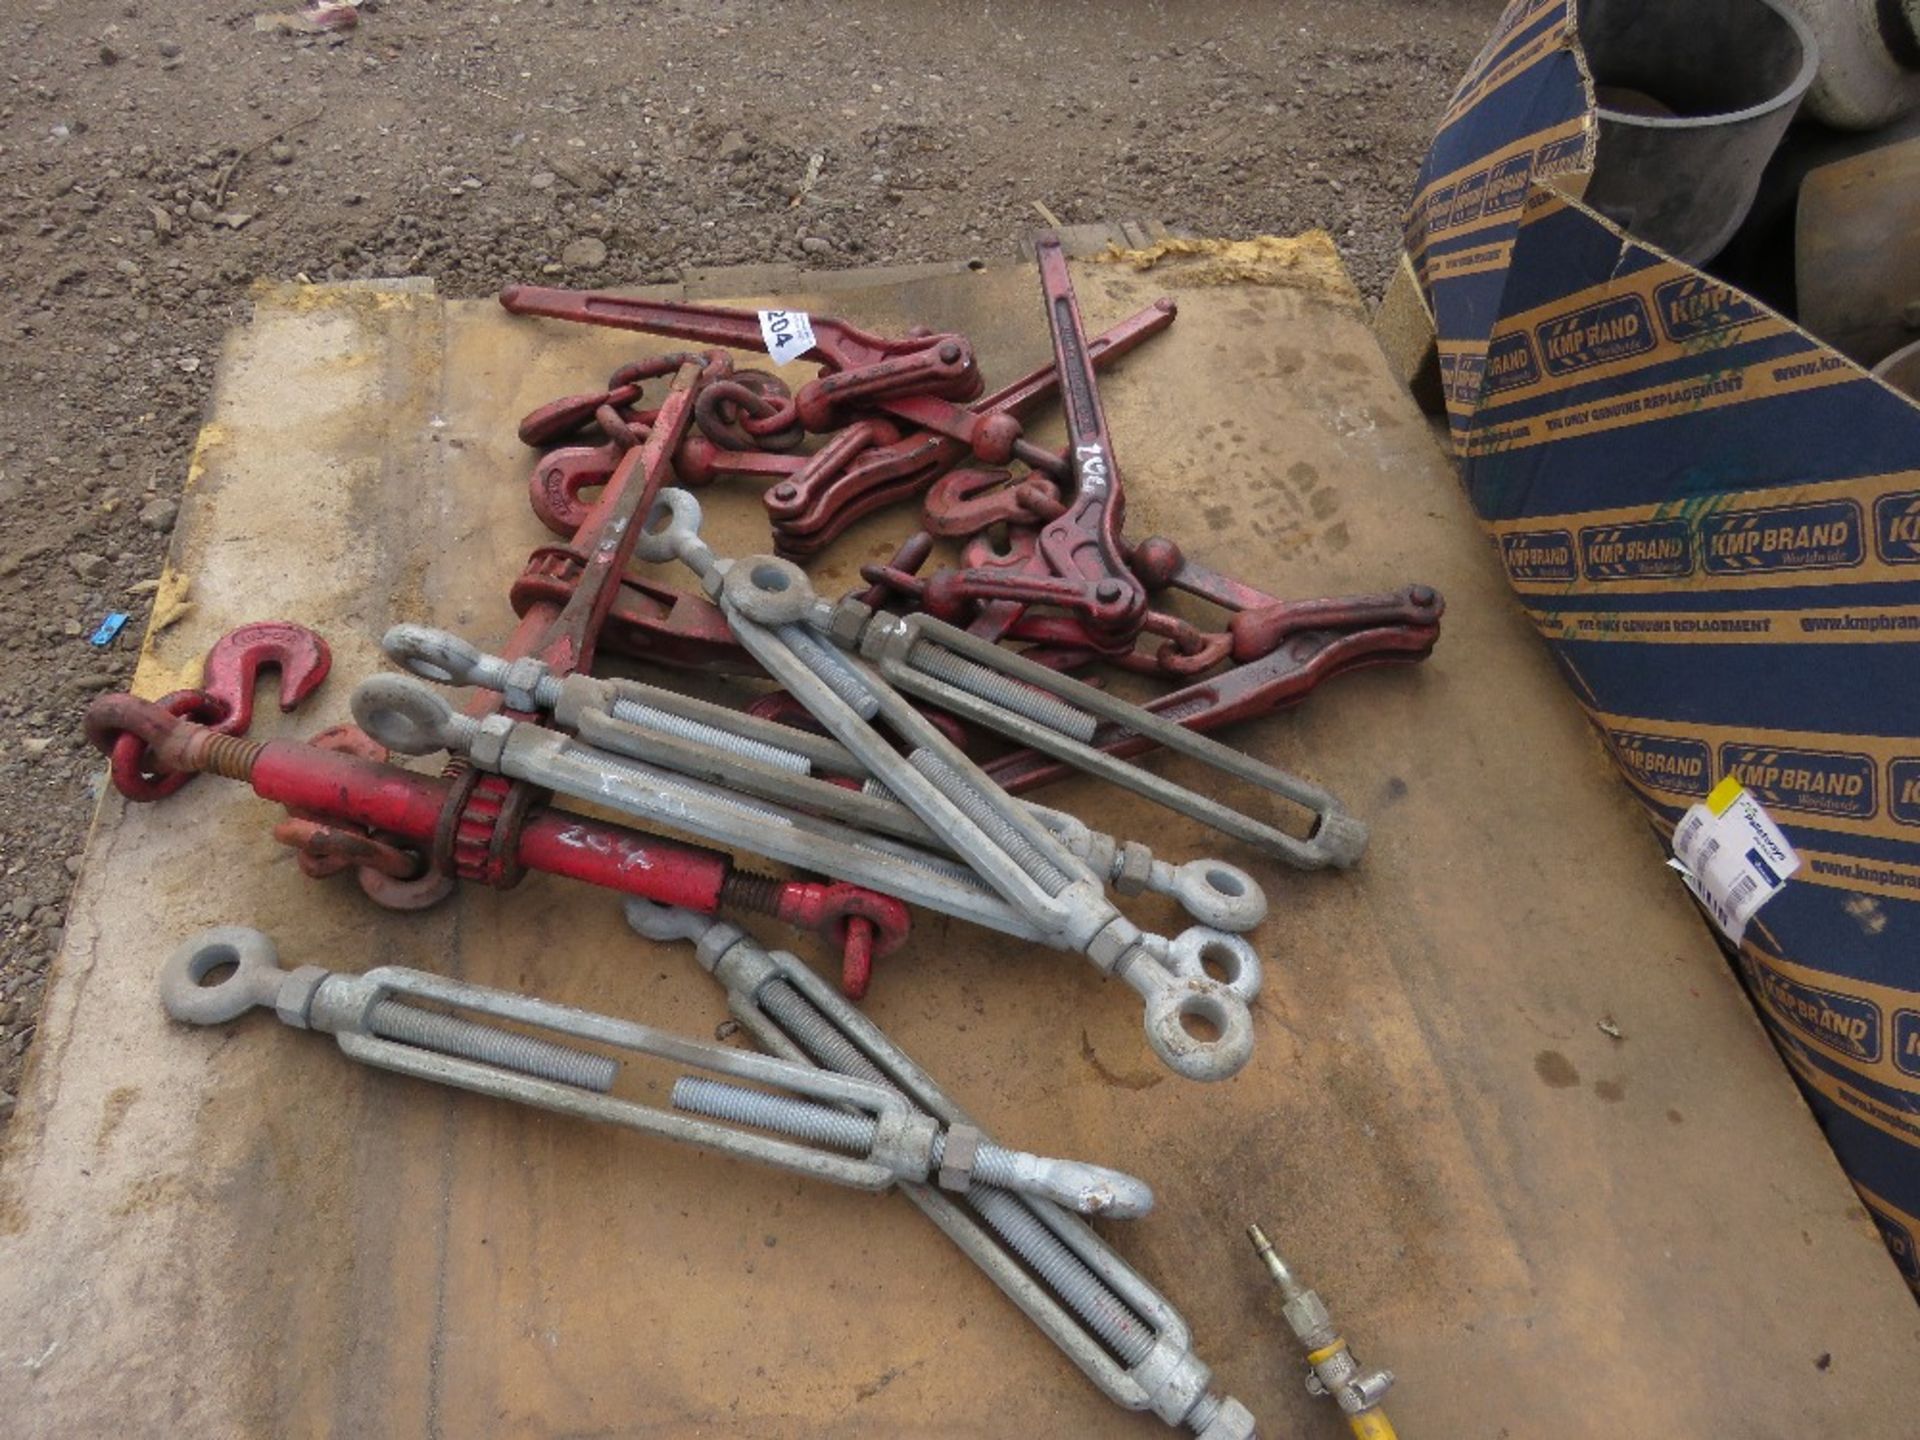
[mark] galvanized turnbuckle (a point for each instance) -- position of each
(848, 1131)
(1106, 1317)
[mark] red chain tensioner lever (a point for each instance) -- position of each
(809, 512)
(811, 504)
(917, 379)
(477, 834)
(1077, 563)
(814, 498)
(224, 699)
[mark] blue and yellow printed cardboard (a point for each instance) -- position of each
(1714, 521)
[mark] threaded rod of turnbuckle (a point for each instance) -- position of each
(1003, 690)
(992, 1164)
(490, 1045)
(1065, 1273)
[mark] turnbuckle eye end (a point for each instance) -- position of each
(672, 530)
(432, 654)
(193, 990)
(404, 715)
(1201, 1029)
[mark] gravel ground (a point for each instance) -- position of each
(158, 157)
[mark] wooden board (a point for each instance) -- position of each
(1540, 1227)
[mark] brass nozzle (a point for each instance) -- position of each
(1276, 1267)
(1334, 1370)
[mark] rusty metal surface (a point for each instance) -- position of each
(1533, 1223)
(1857, 252)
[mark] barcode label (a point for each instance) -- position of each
(1732, 856)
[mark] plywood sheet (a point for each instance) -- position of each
(1538, 1225)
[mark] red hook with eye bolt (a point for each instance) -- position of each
(224, 700)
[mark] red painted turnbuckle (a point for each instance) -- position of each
(345, 798)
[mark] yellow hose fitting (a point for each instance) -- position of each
(1332, 1368)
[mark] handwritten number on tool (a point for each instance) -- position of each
(788, 334)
